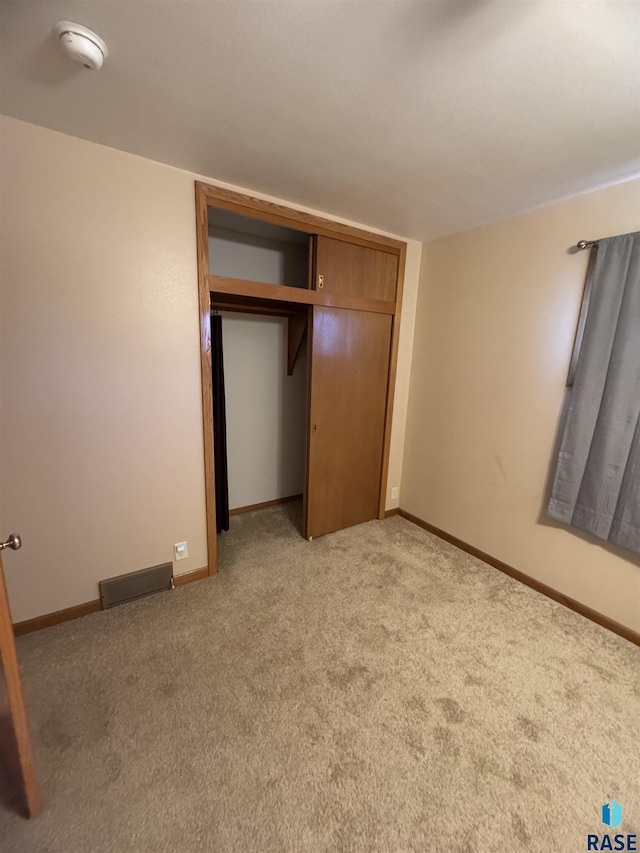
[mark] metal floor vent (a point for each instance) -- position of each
(135, 584)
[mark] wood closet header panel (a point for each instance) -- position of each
(351, 270)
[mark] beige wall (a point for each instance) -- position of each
(496, 317)
(100, 420)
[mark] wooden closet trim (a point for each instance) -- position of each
(205, 195)
(204, 301)
(269, 211)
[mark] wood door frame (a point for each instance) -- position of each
(18, 738)
(207, 195)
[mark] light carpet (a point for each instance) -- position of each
(374, 690)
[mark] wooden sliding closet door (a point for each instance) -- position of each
(349, 371)
(352, 270)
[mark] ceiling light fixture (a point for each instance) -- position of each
(81, 45)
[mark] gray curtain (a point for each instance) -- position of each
(597, 480)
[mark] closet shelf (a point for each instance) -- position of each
(281, 293)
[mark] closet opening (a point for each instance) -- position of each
(265, 394)
(260, 460)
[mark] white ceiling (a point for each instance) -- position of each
(419, 118)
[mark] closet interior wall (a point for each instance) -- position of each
(265, 410)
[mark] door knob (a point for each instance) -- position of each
(14, 541)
